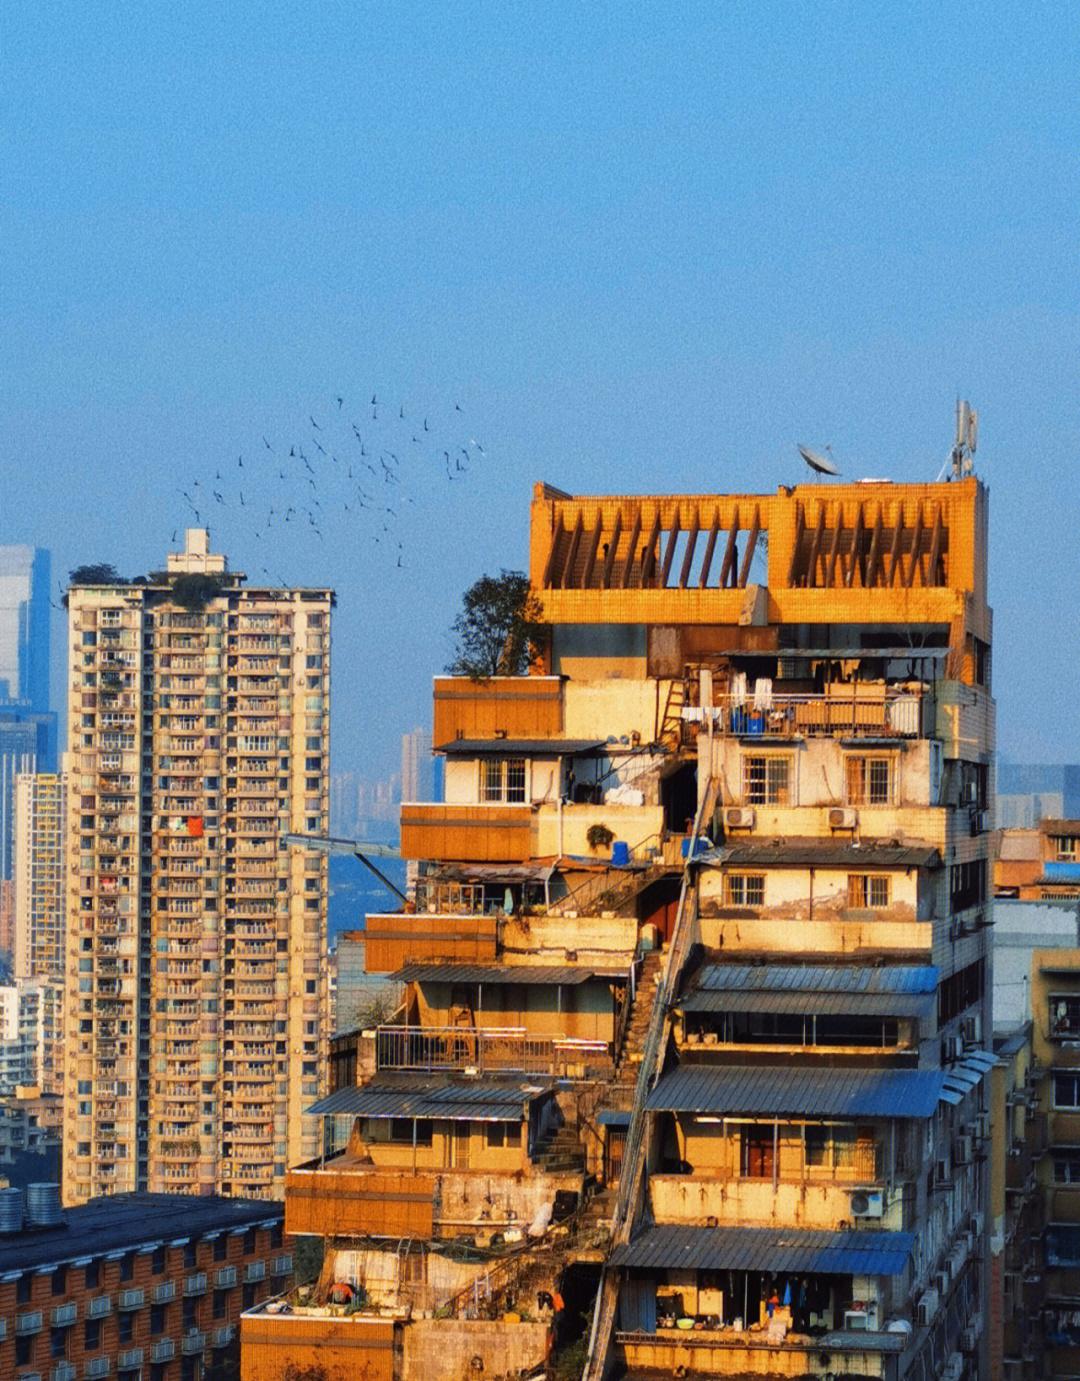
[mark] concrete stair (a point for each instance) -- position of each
(637, 1029)
(560, 1151)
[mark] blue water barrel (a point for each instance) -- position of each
(620, 853)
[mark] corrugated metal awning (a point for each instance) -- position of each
(812, 1004)
(520, 747)
(457, 1102)
(781, 1250)
(818, 978)
(782, 1091)
(565, 975)
(612, 1118)
(819, 853)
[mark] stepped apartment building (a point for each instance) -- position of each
(694, 1045)
(196, 1001)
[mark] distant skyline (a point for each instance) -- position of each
(641, 249)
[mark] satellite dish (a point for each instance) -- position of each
(822, 464)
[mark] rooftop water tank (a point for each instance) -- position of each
(43, 1205)
(11, 1210)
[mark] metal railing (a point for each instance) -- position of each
(895, 714)
(617, 882)
(488, 1050)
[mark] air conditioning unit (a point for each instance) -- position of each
(963, 1150)
(927, 1308)
(954, 1367)
(867, 1203)
(843, 818)
(980, 821)
(969, 795)
(972, 1029)
(952, 1047)
(739, 818)
(855, 1321)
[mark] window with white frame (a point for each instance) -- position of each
(767, 779)
(502, 780)
(1067, 1165)
(744, 889)
(868, 890)
(870, 781)
(1065, 1015)
(1065, 847)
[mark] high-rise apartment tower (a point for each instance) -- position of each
(40, 808)
(196, 1005)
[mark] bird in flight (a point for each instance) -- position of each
(314, 423)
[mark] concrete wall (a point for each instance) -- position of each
(584, 1011)
(1021, 927)
(444, 1349)
(817, 777)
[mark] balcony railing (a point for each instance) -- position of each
(496, 1049)
(858, 709)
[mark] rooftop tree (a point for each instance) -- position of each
(499, 628)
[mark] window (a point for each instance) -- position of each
(157, 1318)
(127, 1266)
(91, 1335)
(1065, 847)
(502, 780)
(157, 1261)
(1067, 1091)
(1065, 1016)
(24, 1349)
(58, 1344)
(221, 1248)
(190, 1314)
(190, 1255)
(24, 1289)
(401, 1129)
(59, 1280)
(125, 1327)
(868, 890)
(250, 1240)
(1067, 1165)
(221, 1303)
(249, 1295)
(503, 1134)
(745, 889)
(767, 780)
(869, 781)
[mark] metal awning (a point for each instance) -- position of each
(521, 747)
(818, 978)
(564, 975)
(819, 853)
(786, 1091)
(612, 1118)
(780, 1250)
(491, 872)
(453, 1102)
(812, 1004)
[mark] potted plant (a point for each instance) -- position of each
(599, 836)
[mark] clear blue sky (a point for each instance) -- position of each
(645, 246)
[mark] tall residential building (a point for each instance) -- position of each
(696, 969)
(24, 626)
(30, 1035)
(26, 740)
(197, 1009)
(417, 770)
(40, 813)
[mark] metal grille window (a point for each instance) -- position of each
(1065, 1015)
(1066, 1090)
(767, 780)
(1065, 847)
(745, 889)
(868, 890)
(1067, 1166)
(869, 781)
(502, 780)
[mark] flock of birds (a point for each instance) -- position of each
(340, 477)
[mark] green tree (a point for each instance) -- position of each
(499, 628)
(97, 573)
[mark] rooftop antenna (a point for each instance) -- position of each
(824, 465)
(962, 456)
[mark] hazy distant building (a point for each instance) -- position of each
(24, 626)
(26, 745)
(30, 1035)
(196, 1001)
(417, 776)
(1028, 792)
(40, 807)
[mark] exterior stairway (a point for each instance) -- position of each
(637, 1028)
(560, 1151)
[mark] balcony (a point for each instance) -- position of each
(99, 1307)
(100, 1366)
(281, 1265)
(27, 1323)
(64, 1315)
(806, 1203)
(488, 1050)
(129, 1359)
(164, 1350)
(222, 1337)
(396, 939)
(225, 1277)
(195, 1284)
(712, 1353)
(131, 1299)
(476, 833)
(255, 1270)
(193, 1344)
(164, 1292)
(62, 1371)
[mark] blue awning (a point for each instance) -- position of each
(451, 1102)
(609, 1118)
(670, 1246)
(786, 1090)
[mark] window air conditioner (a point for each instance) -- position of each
(843, 818)
(739, 818)
(972, 1029)
(954, 1367)
(867, 1203)
(927, 1308)
(855, 1321)
(952, 1047)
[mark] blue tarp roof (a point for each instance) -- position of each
(817, 978)
(779, 1090)
(670, 1246)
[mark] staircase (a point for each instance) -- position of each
(612, 890)
(560, 1152)
(632, 1180)
(671, 726)
(630, 1053)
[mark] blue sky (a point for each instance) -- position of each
(644, 247)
